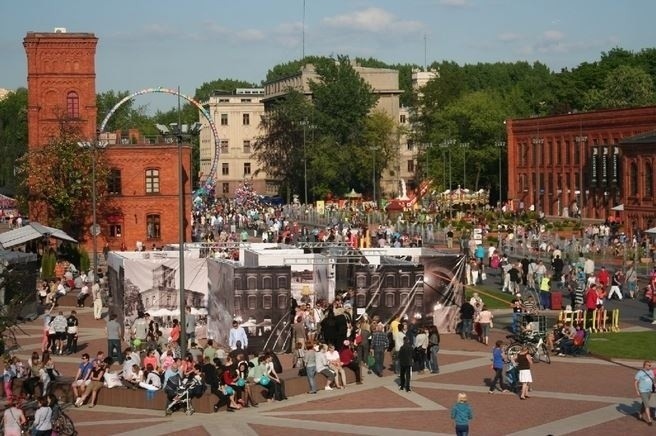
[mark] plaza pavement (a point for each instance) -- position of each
(570, 396)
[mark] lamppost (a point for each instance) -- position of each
(500, 145)
(305, 125)
(446, 146)
(538, 161)
(373, 177)
(464, 146)
(95, 228)
(581, 141)
(182, 132)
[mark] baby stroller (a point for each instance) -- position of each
(512, 376)
(181, 396)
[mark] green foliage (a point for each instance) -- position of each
(125, 117)
(48, 263)
(625, 86)
(13, 137)
(58, 178)
(291, 68)
(204, 91)
(85, 262)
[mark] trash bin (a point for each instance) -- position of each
(556, 300)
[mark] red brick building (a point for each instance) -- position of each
(560, 164)
(143, 200)
(638, 161)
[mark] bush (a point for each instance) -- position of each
(48, 263)
(85, 263)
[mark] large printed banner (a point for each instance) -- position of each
(152, 285)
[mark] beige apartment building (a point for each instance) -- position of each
(236, 115)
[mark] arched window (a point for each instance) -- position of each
(72, 105)
(266, 282)
(649, 180)
(251, 283)
(633, 174)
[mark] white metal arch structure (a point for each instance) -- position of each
(211, 177)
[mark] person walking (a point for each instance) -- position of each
(497, 366)
(406, 353)
(644, 385)
(524, 367)
(461, 413)
(466, 317)
(96, 293)
(379, 344)
(13, 419)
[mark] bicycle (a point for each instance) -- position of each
(537, 350)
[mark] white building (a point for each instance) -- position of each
(237, 116)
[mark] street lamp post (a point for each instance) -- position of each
(446, 145)
(538, 161)
(373, 154)
(500, 145)
(95, 230)
(464, 146)
(182, 132)
(581, 140)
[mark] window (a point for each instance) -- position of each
(225, 188)
(224, 100)
(360, 281)
(115, 231)
(410, 144)
(247, 168)
(402, 119)
(389, 300)
(282, 301)
(251, 283)
(282, 282)
(389, 281)
(246, 100)
(252, 302)
(246, 119)
(247, 146)
(267, 301)
(223, 146)
(360, 300)
(411, 166)
(649, 180)
(72, 105)
(224, 119)
(153, 226)
(114, 182)
(152, 181)
(266, 283)
(225, 169)
(419, 300)
(634, 179)
(237, 303)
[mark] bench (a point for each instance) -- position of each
(142, 399)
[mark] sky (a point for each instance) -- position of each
(148, 43)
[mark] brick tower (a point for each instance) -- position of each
(61, 83)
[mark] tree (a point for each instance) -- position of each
(625, 86)
(126, 116)
(279, 151)
(205, 91)
(13, 137)
(57, 180)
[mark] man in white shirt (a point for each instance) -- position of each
(237, 333)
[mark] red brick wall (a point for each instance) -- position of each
(135, 204)
(557, 169)
(58, 63)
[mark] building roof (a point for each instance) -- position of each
(30, 232)
(643, 138)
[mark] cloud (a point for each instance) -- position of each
(372, 19)
(509, 37)
(553, 35)
(454, 3)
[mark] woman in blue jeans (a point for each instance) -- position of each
(433, 348)
(310, 364)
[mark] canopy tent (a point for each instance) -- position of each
(7, 202)
(619, 207)
(651, 231)
(31, 232)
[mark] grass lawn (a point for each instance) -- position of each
(492, 299)
(630, 345)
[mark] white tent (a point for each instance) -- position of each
(30, 232)
(651, 231)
